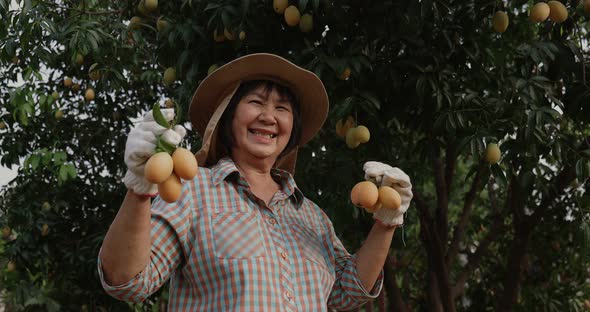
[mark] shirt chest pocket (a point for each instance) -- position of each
(236, 233)
(310, 245)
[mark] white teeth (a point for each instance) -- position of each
(270, 136)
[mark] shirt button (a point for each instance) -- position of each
(272, 221)
(288, 295)
(284, 255)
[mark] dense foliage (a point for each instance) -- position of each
(431, 79)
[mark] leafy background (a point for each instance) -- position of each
(431, 80)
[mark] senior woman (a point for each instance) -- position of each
(242, 236)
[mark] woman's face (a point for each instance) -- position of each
(262, 124)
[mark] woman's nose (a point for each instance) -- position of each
(266, 115)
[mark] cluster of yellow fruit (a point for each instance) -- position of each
(166, 171)
(292, 15)
(145, 8)
(354, 136)
(554, 10)
(228, 35)
(366, 195)
(540, 12)
(89, 94)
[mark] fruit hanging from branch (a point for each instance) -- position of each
(539, 12)
(557, 11)
(500, 21)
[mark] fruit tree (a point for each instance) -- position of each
(483, 103)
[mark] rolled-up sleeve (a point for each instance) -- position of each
(348, 291)
(170, 225)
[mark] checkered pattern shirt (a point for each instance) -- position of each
(226, 250)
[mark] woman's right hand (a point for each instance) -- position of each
(141, 145)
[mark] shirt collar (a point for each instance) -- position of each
(226, 167)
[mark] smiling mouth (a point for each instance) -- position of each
(264, 135)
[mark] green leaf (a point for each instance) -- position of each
(499, 175)
(582, 169)
(158, 117)
(163, 146)
(302, 5)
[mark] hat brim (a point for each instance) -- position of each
(307, 87)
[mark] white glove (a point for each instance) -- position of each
(385, 175)
(141, 144)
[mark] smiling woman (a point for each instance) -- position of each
(242, 230)
(262, 94)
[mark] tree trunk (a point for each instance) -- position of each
(435, 304)
(514, 272)
(394, 295)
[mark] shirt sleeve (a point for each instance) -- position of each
(348, 291)
(170, 225)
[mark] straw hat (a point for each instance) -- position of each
(216, 90)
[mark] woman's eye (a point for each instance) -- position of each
(283, 108)
(255, 101)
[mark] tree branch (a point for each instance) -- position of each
(442, 202)
(459, 231)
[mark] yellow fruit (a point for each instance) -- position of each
(587, 12)
(558, 12)
(218, 37)
(11, 266)
(94, 75)
(76, 87)
(343, 126)
(55, 95)
(345, 74)
(351, 140)
(151, 5)
(141, 8)
(59, 114)
(364, 194)
(46, 206)
(362, 134)
(134, 22)
(280, 5)
(45, 229)
(169, 103)
(587, 304)
(169, 75)
(500, 21)
(242, 35)
(228, 34)
(493, 153)
(159, 167)
(306, 23)
(539, 12)
(2, 125)
(161, 24)
(389, 198)
(6, 231)
(170, 189)
(292, 15)
(67, 82)
(79, 59)
(212, 68)
(185, 163)
(89, 95)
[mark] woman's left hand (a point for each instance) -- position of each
(386, 175)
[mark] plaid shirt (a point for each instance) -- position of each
(225, 250)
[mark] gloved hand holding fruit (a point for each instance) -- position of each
(155, 164)
(386, 193)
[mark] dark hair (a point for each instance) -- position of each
(225, 133)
